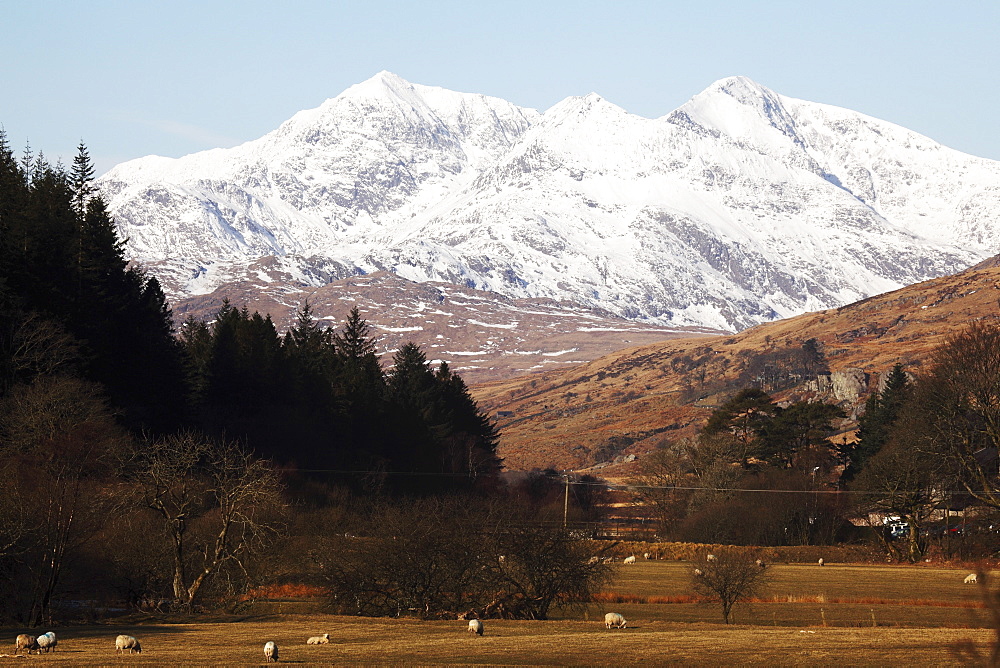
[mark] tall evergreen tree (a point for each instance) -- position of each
(82, 180)
(470, 446)
(744, 417)
(876, 424)
(798, 435)
(361, 372)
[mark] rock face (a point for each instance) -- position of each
(849, 384)
(739, 207)
(846, 385)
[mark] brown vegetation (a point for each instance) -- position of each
(785, 629)
(630, 401)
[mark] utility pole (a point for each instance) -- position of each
(566, 502)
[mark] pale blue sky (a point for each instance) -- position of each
(132, 78)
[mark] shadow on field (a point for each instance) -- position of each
(97, 631)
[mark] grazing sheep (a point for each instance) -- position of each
(47, 642)
(629, 560)
(698, 572)
(129, 643)
(821, 562)
(271, 651)
(614, 619)
(971, 578)
(319, 640)
(25, 642)
(593, 560)
(760, 563)
(710, 557)
(647, 556)
(476, 626)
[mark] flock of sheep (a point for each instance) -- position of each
(43, 643)
(47, 641)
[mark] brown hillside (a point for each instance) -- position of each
(482, 335)
(626, 402)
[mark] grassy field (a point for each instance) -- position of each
(923, 616)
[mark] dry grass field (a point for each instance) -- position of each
(922, 616)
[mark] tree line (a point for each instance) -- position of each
(144, 464)
(760, 473)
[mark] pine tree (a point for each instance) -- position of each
(82, 180)
(799, 435)
(196, 341)
(361, 375)
(744, 418)
(13, 195)
(470, 446)
(355, 342)
(875, 426)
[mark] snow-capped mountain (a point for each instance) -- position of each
(739, 207)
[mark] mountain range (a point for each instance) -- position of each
(740, 207)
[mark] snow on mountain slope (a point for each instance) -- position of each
(739, 207)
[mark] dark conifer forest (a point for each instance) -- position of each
(313, 400)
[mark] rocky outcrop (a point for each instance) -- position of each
(845, 386)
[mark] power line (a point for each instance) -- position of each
(629, 487)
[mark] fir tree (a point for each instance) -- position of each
(82, 180)
(876, 424)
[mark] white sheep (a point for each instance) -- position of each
(319, 640)
(629, 559)
(270, 651)
(47, 642)
(476, 626)
(698, 572)
(971, 578)
(760, 563)
(129, 643)
(647, 556)
(614, 619)
(709, 557)
(821, 562)
(25, 642)
(593, 560)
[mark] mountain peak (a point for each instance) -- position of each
(739, 87)
(381, 85)
(583, 105)
(741, 108)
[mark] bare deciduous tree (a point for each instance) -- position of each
(33, 346)
(664, 481)
(58, 437)
(729, 578)
(905, 482)
(440, 556)
(960, 408)
(218, 502)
